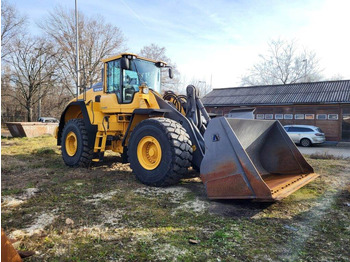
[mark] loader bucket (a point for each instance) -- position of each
(251, 159)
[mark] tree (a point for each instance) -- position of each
(157, 53)
(203, 87)
(11, 111)
(32, 72)
(97, 40)
(284, 63)
(12, 25)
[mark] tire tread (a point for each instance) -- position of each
(87, 152)
(181, 145)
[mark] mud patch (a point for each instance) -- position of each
(12, 202)
(177, 193)
(307, 225)
(37, 227)
(167, 252)
(112, 218)
(237, 208)
(196, 206)
(95, 199)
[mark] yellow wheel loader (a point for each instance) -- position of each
(161, 137)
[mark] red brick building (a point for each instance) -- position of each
(323, 104)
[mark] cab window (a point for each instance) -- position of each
(113, 77)
(130, 85)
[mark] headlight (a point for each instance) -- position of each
(145, 90)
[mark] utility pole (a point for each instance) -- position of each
(39, 89)
(77, 48)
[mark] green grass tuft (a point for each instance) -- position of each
(45, 151)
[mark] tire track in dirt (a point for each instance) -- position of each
(305, 228)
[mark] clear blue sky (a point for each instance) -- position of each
(221, 38)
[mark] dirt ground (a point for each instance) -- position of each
(104, 214)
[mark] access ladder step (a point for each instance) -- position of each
(100, 145)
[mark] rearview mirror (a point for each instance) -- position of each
(125, 63)
(171, 74)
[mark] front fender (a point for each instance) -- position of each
(80, 111)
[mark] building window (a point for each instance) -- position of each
(268, 116)
(278, 116)
(259, 116)
(333, 117)
(288, 116)
(321, 117)
(309, 116)
(299, 116)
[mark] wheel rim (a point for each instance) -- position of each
(71, 143)
(149, 152)
(305, 142)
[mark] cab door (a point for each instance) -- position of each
(111, 97)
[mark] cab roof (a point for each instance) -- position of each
(111, 58)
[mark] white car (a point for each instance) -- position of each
(305, 135)
(48, 120)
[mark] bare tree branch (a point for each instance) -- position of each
(284, 63)
(157, 53)
(97, 40)
(12, 25)
(33, 67)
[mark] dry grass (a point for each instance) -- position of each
(104, 214)
(326, 155)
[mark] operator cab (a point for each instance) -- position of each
(126, 73)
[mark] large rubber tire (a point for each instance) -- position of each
(176, 151)
(83, 155)
(305, 142)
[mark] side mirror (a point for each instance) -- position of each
(171, 74)
(125, 63)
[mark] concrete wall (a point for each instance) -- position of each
(31, 129)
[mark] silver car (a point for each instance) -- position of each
(48, 120)
(305, 135)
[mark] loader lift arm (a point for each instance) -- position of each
(196, 137)
(195, 110)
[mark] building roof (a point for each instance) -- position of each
(326, 92)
